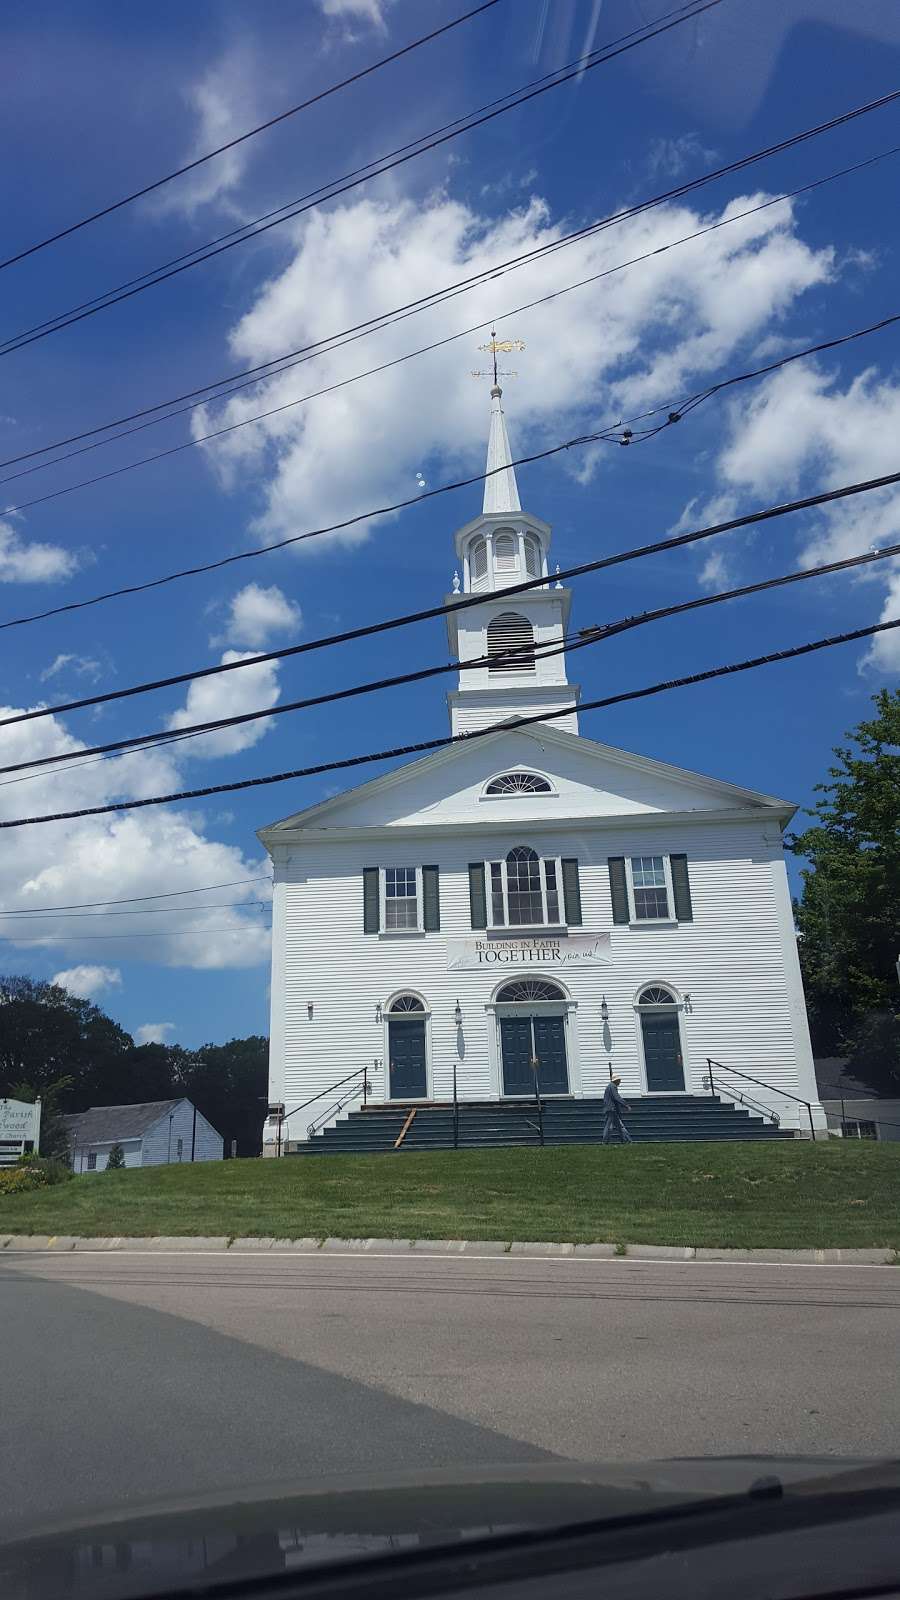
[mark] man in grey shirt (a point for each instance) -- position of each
(613, 1106)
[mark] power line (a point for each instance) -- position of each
(134, 899)
(146, 911)
(292, 111)
(586, 636)
(437, 344)
(425, 745)
(367, 630)
(338, 186)
(163, 933)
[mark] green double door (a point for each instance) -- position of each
(524, 1039)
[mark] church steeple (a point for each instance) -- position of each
(501, 492)
(503, 547)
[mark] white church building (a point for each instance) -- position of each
(530, 907)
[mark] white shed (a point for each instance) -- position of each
(151, 1134)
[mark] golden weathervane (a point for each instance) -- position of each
(492, 347)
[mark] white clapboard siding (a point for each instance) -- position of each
(737, 960)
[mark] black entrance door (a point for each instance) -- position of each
(662, 1051)
(521, 1038)
(406, 1039)
(550, 1049)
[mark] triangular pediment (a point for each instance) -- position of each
(587, 780)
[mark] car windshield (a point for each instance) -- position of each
(449, 770)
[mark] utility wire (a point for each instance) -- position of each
(162, 933)
(463, 286)
(135, 899)
(367, 630)
(437, 344)
(586, 636)
(338, 186)
(292, 111)
(425, 745)
(153, 911)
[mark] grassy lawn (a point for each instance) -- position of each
(791, 1194)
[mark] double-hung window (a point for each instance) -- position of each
(651, 900)
(524, 890)
(401, 899)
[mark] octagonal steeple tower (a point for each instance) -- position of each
(502, 547)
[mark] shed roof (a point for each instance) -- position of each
(102, 1124)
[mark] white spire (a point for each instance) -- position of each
(501, 492)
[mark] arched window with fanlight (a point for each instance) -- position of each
(478, 562)
(524, 890)
(510, 638)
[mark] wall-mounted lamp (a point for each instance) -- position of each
(457, 1015)
(309, 1009)
(604, 1010)
(688, 1006)
(377, 1010)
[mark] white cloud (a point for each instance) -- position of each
(153, 1032)
(257, 613)
(83, 666)
(114, 857)
(636, 338)
(208, 699)
(224, 103)
(22, 562)
(669, 158)
(372, 11)
(803, 428)
(87, 981)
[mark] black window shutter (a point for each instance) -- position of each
(684, 911)
(370, 900)
(477, 899)
(618, 889)
(571, 893)
(431, 899)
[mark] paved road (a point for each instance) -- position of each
(134, 1375)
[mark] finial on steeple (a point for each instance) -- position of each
(501, 492)
(456, 583)
(557, 584)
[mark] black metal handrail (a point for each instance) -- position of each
(286, 1115)
(785, 1093)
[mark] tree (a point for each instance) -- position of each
(116, 1159)
(848, 916)
(47, 1034)
(229, 1083)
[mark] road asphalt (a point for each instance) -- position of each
(134, 1376)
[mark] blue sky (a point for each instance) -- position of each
(103, 98)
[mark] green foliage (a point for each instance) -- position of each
(115, 1161)
(848, 916)
(67, 1050)
(19, 1180)
(53, 1171)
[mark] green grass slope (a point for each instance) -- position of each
(788, 1194)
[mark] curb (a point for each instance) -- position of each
(175, 1245)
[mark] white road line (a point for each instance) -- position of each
(439, 1255)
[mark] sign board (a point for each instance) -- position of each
(20, 1125)
(569, 950)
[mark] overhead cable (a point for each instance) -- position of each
(134, 899)
(437, 344)
(338, 186)
(464, 602)
(531, 653)
(292, 111)
(424, 746)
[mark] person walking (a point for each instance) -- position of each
(613, 1106)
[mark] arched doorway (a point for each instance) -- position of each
(407, 1048)
(532, 1019)
(661, 1039)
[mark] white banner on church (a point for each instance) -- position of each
(575, 949)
